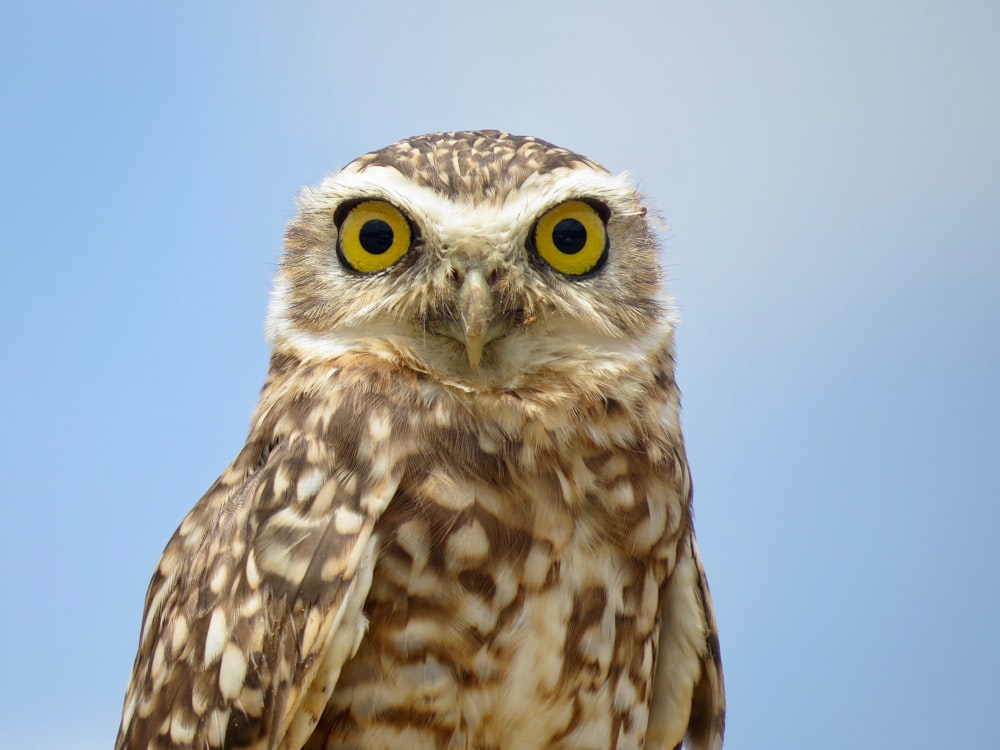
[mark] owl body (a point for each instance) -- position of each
(462, 516)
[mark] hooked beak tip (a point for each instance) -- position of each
(474, 349)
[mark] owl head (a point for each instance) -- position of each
(480, 258)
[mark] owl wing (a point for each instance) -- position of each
(256, 603)
(689, 697)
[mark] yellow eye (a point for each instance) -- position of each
(571, 238)
(373, 236)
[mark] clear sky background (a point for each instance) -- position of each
(830, 172)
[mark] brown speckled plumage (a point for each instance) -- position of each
(474, 165)
(419, 548)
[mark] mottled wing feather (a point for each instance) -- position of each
(256, 604)
(688, 699)
(708, 705)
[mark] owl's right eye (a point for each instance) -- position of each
(373, 236)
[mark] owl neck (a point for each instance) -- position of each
(324, 398)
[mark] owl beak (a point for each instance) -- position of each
(475, 302)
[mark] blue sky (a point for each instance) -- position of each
(831, 176)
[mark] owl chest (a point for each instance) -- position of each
(504, 617)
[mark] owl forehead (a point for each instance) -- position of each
(474, 162)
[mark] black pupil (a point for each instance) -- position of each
(375, 236)
(569, 236)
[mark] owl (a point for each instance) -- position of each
(462, 517)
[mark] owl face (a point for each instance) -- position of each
(477, 257)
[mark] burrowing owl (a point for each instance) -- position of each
(462, 515)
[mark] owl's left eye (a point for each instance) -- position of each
(571, 238)
(373, 236)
